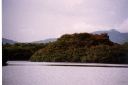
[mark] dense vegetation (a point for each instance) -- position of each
(83, 47)
(19, 51)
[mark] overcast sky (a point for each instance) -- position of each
(31, 20)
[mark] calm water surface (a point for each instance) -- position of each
(29, 73)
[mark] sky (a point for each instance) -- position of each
(33, 20)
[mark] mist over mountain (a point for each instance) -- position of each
(4, 41)
(115, 36)
(46, 40)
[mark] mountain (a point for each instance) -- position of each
(4, 41)
(73, 48)
(46, 40)
(115, 36)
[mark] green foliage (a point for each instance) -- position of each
(106, 54)
(83, 47)
(19, 51)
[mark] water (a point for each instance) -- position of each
(29, 73)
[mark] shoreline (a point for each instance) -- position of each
(29, 63)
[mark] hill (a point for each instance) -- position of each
(115, 36)
(4, 41)
(82, 47)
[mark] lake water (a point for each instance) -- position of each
(31, 73)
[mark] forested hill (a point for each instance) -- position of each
(85, 39)
(83, 47)
(77, 47)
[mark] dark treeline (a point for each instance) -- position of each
(19, 51)
(83, 47)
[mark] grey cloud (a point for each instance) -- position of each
(29, 20)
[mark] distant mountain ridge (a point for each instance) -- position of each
(9, 41)
(46, 40)
(115, 36)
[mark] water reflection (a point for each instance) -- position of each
(34, 73)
